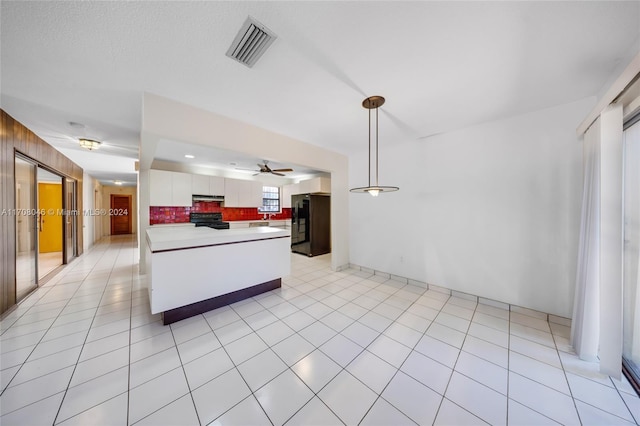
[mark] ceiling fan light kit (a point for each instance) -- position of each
(89, 144)
(373, 102)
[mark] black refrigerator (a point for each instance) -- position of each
(310, 224)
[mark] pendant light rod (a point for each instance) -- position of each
(369, 158)
(376, 143)
(374, 102)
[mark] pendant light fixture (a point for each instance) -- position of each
(374, 102)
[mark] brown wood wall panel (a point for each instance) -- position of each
(8, 256)
(16, 137)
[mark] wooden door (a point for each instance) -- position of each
(120, 214)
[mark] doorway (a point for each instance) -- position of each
(51, 225)
(40, 227)
(120, 214)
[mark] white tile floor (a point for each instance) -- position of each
(327, 348)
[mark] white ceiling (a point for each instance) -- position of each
(222, 162)
(440, 65)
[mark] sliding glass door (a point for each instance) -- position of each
(27, 225)
(46, 223)
(631, 252)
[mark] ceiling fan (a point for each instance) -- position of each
(264, 168)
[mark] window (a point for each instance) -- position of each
(270, 199)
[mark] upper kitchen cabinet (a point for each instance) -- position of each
(216, 185)
(169, 188)
(242, 193)
(207, 185)
(316, 185)
(310, 186)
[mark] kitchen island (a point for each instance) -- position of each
(195, 269)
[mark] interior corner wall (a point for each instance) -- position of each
(492, 210)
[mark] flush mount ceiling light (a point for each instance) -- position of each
(89, 144)
(189, 156)
(374, 102)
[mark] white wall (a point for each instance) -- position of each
(88, 231)
(492, 210)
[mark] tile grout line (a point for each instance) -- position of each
(129, 351)
(235, 367)
(453, 368)
(329, 357)
(379, 395)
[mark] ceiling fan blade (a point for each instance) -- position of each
(256, 174)
(282, 170)
(276, 173)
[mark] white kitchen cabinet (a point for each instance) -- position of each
(250, 194)
(181, 191)
(315, 185)
(200, 185)
(242, 193)
(207, 185)
(169, 188)
(231, 192)
(256, 193)
(160, 188)
(216, 185)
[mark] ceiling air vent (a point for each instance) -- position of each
(251, 42)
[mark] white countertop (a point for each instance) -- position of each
(182, 237)
(257, 220)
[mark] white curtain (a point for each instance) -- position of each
(597, 318)
(631, 348)
(611, 240)
(585, 330)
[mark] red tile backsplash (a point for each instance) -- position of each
(158, 214)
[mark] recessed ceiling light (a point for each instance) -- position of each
(189, 156)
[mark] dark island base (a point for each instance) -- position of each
(178, 314)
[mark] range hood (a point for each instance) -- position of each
(201, 198)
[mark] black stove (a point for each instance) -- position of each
(212, 220)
